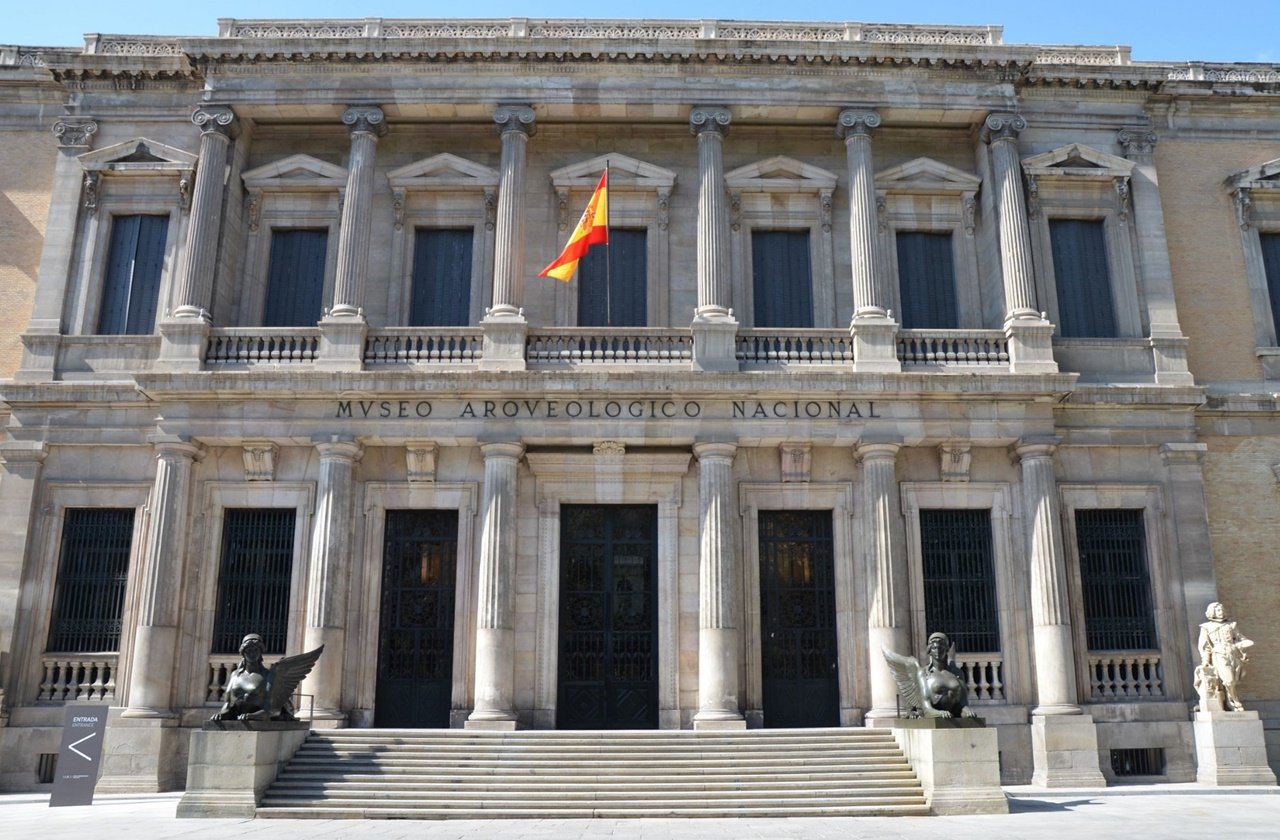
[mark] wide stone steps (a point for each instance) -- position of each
(429, 774)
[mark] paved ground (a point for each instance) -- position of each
(1170, 812)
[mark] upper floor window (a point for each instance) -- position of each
(131, 286)
(1256, 194)
(781, 278)
(295, 279)
(927, 280)
(441, 279)
(93, 570)
(613, 281)
(1270, 247)
(1083, 278)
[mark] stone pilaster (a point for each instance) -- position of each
(20, 468)
(888, 623)
(719, 574)
(1030, 335)
(504, 324)
(1188, 508)
(329, 575)
(155, 646)
(40, 341)
(714, 327)
(495, 631)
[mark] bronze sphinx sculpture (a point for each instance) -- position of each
(937, 690)
(257, 693)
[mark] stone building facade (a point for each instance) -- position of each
(901, 329)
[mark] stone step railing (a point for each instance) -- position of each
(84, 677)
(774, 347)
(424, 345)
(262, 345)
(988, 348)
(984, 675)
(1125, 675)
(608, 346)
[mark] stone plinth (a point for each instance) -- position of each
(1064, 749)
(715, 343)
(957, 762)
(342, 342)
(504, 340)
(1231, 749)
(875, 344)
(141, 756)
(231, 765)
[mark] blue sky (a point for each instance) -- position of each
(1173, 30)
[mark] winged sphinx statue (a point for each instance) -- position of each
(255, 692)
(937, 690)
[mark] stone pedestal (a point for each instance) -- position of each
(714, 343)
(1231, 749)
(231, 766)
(182, 343)
(1064, 750)
(504, 339)
(142, 756)
(342, 342)
(875, 340)
(957, 762)
(1030, 346)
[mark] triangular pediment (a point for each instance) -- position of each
(780, 174)
(926, 176)
(138, 156)
(624, 173)
(1077, 160)
(1265, 176)
(296, 172)
(443, 171)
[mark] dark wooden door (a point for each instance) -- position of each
(295, 278)
(613, 281)
(781, 280)
(441, 277)
(131, 288)
(415, 642)
(608, 617)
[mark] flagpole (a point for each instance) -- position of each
(608, 256)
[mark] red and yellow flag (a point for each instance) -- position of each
(592, 228)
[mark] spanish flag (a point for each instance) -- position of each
(592, 228)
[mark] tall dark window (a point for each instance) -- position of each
(441, 278)
(93, 571)
(927, 281)
(295, 278)
(1270, 243)
(254, 578)
(1086, 308)
(613, 281)
(1114, 580)
(131, 290)
(959, 578)
(781, 278)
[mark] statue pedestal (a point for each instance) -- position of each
(957, 761)
(1230, 749)
(232, 763)
(1064, 749)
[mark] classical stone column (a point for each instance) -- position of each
(1064, 740)
(504, 325)
(21, 464)
(719, 574)
(155, 644)
(888, 607)
(495, 632)
(1168, 344)
(40, 341)
(329, 574)
(714, 326)
(1030, 347)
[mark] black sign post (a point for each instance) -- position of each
(79, 757)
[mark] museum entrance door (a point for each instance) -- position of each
(608, 652)
(415, 639)
(799, 663)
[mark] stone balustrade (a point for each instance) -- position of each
(762, 348)
(1125, 675)
(953, 347)
(415, 345)
(263, 345)
(220, 668)
(85, 678)
(984, 676)
(608, 345)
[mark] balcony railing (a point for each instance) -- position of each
(262, 346)
(424, 346)
(573, 346)
(83, 677)
(984, 675)
(767, 348)
(953, 348)
(1125, 675)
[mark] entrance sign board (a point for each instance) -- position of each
(83, 730)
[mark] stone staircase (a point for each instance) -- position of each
(434, 774)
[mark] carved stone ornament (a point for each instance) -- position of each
(856, 122)
(1122, 197)
(824, 209)
(367, 119)
(257, 693)
(796, 462)
(712, 119)
(1137, 142)
(91, 191)
(664, 210)
(882, 214)
(969, 206)
(1223, 654)
(490, 209)
(1275, 470)
(75, 134)
(1002, 126)
(936, 690)
(955, 461)
(1033, 197)
(184, 191)
(420, 460)
(609, 449)
(1244, 208)
(397, 208)
(218, 119)
(260, 460)
(562, 208)
(735, 211)
(515, 118)
(254, 209)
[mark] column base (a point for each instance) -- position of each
(1231, 749)
(1064, 749)
(715, 342)
(143, 755)
(182, 343)
(342, 339)
(1030, 345)
(505, 334)
(957, 762)
(1169, 351)
(492, 724)
(875, 344)
(718, 720)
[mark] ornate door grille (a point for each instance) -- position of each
(255, 578)
(1115, 584)
(415, 643)
(93, 571)
(959, 578)
(608, 617)
(799, 656)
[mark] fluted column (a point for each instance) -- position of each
(367, 125)
(191, 298)
(854, 126)
(719, 574)
(1000, 132)
(515, 126)
(710, 125)
(155, 645)
(329, 574)
(1050, 610)
(495, 632)
(886, 570)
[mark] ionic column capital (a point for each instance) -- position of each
(856, 122)
(365, 119)
(215, 119)
(1138, 142)
(708, 452)
(1029, 449)
(74, 134)
(331, 449)
(1002, 126)
(502, 449)
(519, 118)
(710, 118)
